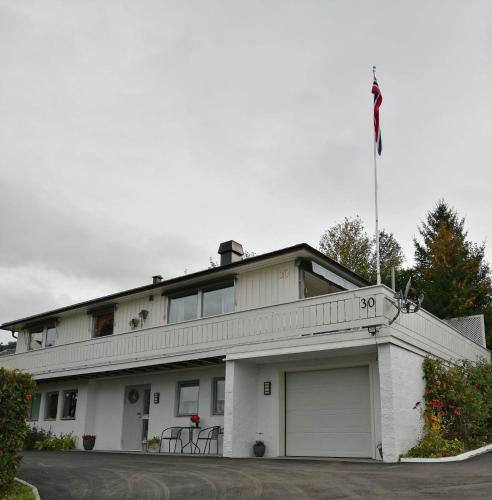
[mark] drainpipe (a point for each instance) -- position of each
(12, 332)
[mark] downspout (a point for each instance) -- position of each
(12, 332)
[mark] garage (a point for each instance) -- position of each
(328, 413)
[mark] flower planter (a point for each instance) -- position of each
(259, 449)
(89, 443)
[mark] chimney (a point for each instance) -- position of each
(230, 251)
(156, 279)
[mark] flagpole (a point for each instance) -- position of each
(378, 269)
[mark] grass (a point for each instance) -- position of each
(19, 491)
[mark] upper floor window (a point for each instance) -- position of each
(41, 335)
(218, 300)
(103, 322)
(184, 308)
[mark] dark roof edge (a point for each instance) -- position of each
(198, 274)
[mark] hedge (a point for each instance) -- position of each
(16, 390)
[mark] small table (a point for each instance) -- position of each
(193, 446)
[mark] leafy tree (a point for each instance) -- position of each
(349, 244)
(450, 270)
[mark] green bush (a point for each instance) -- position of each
(458, 408)
(16, 391)
(64, 442)
(34, 434)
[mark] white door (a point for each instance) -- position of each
(135, 416)
(328, 413)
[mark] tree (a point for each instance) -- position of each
(450, 270)
(349, 244)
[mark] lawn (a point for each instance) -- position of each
(20, 492)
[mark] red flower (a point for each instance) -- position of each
(478, 386)
(195, 419)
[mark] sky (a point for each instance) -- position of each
(135, 136)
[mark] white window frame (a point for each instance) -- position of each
(64, 402)
(186, 383)
(46, 400)
(214, 395)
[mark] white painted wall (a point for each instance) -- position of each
(100, 405)
(267, 286)
(240, 419)
(401, 386)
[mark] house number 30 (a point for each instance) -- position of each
(370, 302)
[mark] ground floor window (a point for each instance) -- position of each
(69, 403)
(35, 405)
(218, 396)
(188, 398)
(51, 406)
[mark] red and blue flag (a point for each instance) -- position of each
(378, 99)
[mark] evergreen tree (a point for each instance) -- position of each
(450, 270)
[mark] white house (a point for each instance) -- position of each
(288, 344)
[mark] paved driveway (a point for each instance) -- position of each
(77, 475)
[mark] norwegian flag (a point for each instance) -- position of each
(378, 99)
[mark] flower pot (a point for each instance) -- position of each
(259, 448)
(89, 443)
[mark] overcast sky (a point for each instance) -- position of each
(135, 136)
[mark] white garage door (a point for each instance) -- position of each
(328, 413)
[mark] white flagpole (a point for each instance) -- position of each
(378, 269)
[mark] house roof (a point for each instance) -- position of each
(303, 249)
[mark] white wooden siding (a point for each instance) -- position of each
(267, 287)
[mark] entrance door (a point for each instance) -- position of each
(328, 413)
(135, 416)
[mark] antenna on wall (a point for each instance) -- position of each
(404, 304)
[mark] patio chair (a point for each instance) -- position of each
(207, 436)
(171, 434)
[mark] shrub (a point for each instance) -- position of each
(64, 442)
(16, 391)
(458, 408)
(34, 434)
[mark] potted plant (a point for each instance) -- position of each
(153, 444)
(195, 419)
(88, 440)
(259, 446)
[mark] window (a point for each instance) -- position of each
(183, 308)
(50, 337)
(188, 398)
(69, 404)
(35, 404)
(103, 323)
(218, 301)
(41, 335)
(218, 396)
(36, 338)
(51, 406)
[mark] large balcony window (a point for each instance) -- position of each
(184, 308)
(218, 300)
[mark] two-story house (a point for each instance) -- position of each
(289, 344)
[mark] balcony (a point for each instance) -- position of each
(339, 317)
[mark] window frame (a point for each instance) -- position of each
(186, 383)
(182, 295)
(65, 391)
(30, 418)
(46, 405)
(214, 396)
(97, 313)
(42, 328)
(219, 286)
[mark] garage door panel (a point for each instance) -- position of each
(328, 413)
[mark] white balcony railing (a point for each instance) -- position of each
(210, 336)
(220, 335)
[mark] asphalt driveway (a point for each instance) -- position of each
(86, 475)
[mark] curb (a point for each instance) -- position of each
(456, 458)
(35, 491)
